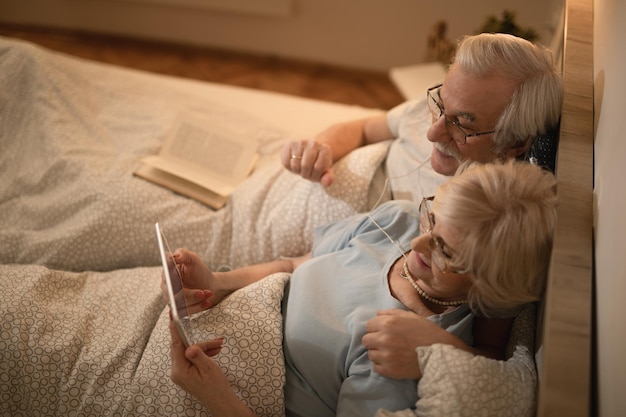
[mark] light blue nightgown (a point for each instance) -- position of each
(328, 301)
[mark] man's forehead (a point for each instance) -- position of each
(473, 97)
(453, 107)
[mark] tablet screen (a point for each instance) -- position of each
(174, 283)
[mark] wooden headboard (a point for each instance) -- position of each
(565, 374)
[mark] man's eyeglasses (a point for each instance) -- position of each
(439, 257)
(456, 131)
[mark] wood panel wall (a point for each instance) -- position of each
(566, 370)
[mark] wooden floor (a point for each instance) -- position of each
(324, 82)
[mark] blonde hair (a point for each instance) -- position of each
(506, 213)
(535, 107)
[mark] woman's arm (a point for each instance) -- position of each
(205, 288)
(315, 157)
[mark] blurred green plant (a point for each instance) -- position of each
(507, 25)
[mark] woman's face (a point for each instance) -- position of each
(437, 273)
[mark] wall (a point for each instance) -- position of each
(610, 203)
(368, 34)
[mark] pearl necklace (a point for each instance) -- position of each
(406, 274)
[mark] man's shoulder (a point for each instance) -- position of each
(409, 107)
(412, 112)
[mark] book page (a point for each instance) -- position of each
(207, 150)
(204, 147)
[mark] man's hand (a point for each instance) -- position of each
(392, 337)
(309, 159)
(313, 159)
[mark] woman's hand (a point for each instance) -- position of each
(201, 290)
(392, 337)
(309, 159)
(195, 372)
(193, 369)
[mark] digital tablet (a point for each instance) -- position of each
(174, 284)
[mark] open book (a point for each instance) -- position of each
(202, 159)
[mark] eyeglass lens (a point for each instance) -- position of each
(437, 111)
(427, 224)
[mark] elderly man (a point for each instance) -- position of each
(499, 94)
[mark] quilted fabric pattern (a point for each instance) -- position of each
(69, 198)
(252, 358)
(99, 344)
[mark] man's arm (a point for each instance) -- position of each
(312, 159)
(491, 336)
(345, 137)
(393, 336)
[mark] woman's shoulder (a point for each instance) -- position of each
(393, 210)
(398, 206)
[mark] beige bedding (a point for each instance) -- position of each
(97, 344)
(74, 341)
(74, 131)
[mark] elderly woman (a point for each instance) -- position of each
(482, 252)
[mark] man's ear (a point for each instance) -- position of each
(518, 149)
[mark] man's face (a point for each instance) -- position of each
(476, 104)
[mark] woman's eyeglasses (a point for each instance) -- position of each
(439, 256)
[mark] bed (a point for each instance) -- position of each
(84, 330)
